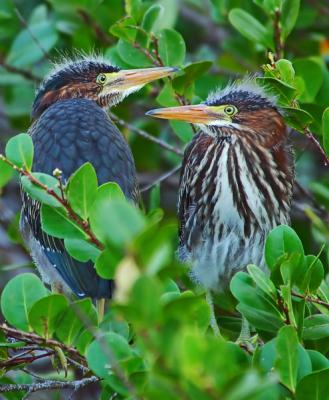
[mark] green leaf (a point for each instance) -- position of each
(81, 249)
(316, 327)
(79, 315)
(191, 73)
(250, 27)
(123, 29)
(262, 280)
(56, 222)
(289, 15)
(132, 56)
(259, 309)
(314, 273)
(311, 70)
(25, 51)
(314, 386)
(81, 189)
(166, 97)
(115, 221)
(281, 241)
(287, 72)
(171, 47)
(19, 150)
(134, 8)
(151, 16)
(286, 361)
(6, 173)
(297, 118)
(40, 194)
(319, 361)
(325, 130)
(183, 130)
(285, 93)
(45, 313)
(18, 297)
(107, 262)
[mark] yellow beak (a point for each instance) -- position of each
(138, 77)
(197, 114)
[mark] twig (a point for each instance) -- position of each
(278, 43)
(49, 385)
(34, 38)
(145, 135)
(20, 71)
(311, 299)
(313, 139)
(161, 178)
(84, 225)
(99, 33)
(147, 54)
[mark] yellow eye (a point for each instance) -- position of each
(101, 79)
(230, 110)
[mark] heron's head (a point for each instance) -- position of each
(242, 109)
(94, 79)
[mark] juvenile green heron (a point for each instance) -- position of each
(236, 181)
(70, 128)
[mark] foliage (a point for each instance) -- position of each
(155, 341)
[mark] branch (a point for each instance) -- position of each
(84, 225)
(313, 139)
(20, 71)
(145, 135)
(161, 178)
(34, 38)
(278, 43)
(49, 385)
(311, 299)
(99, 33)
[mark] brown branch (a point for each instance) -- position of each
(49, 385)
(161, 178)
(84, 225)
(278, 43)
(39, 340)
(99, 33)
(311, 299)
(313, 139)
(144, 134)
(20, 71)
(33, 37)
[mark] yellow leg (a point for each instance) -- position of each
(100, 303)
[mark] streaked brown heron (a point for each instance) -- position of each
(236, 181)
(71, 127)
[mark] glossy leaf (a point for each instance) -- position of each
(107, 263)
(81, 249)
(314, 386)
(6, 173)
(262, 280)
(18, 297)
(19, 150)
(81, 189)
(40, 194)
(45, 313)
(316, 327)
(289, 15)
(325, 130)
(132, 56)
(150, 17)
(171, 47)
(250, 27)
(287, 356)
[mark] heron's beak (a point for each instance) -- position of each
(131, 78)
(197, 114)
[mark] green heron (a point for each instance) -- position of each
(236, 181)
(71, 128)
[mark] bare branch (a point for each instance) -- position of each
(99, 33)
(311, 299)
(162, 178)
(278, 43)
(316, 143)
(15, 70)
(49, 385)
(34, 38)
(145, 135)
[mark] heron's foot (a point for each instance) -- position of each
(245, 340)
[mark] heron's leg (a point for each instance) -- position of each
(213, 322)
(100, 304)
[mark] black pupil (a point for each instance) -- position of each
(229, 110)
(102, 78)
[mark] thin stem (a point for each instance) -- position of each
(20, 71)
(145, 135)
(278, 43)
(313, 139)
(311, 299)
(161, 178)
(84, 225)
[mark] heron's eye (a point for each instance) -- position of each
(230, 110)
(101, 79)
